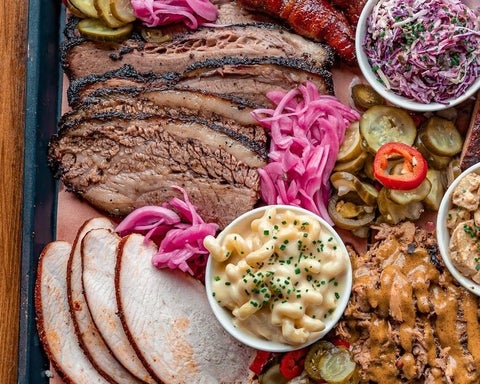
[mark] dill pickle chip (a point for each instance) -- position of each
(383, 124)
(86, 7)
(351, 146)
(105, 13)
(441, 136)
(96, 29)
(364, 96)
(74, 10)
(122, 10)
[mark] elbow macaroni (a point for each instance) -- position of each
(285, 267)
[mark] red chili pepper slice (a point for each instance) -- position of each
(414, 169)
(292, 363)
(261, 359)
(340, 343)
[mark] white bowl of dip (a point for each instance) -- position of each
(296, 291)
(444, 234)
(394, 96)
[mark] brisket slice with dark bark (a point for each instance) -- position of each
(81, 57)
(245, 78)
(173, 102)
(119, 162)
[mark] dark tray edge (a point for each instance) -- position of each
(42, 108)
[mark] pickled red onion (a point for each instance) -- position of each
(180, 232)
(306, 130)
(193, 13)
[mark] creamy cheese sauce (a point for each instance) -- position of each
(281, 275)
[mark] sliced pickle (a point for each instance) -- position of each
(441, 137)
(364, 96)
(74, 10)
(123, 10)
(345, 182)
(105, 13)
(272, 376)
(410, 195)
(383, 124)
(155, 35)
(351, 146)
(96, 29)
(433, 160)
(362, 220)
(87, 7)
(352, 166)
(337, 366)
(394, 213)
(434, 198)
(330, 363)
(452, 172)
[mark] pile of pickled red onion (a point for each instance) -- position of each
(306, 130)
(178, 230)
(193, 13)
(425, 50)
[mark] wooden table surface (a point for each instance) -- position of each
(13, 48)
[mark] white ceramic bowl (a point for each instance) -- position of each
(443, 235)
(389, 95)
(225, 316)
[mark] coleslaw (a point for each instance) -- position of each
(426, 50)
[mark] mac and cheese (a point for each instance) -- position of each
(280, 275)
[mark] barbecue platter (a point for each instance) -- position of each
(165, 123)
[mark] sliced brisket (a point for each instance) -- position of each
(244, 78)
(119, 162)
(232, 114)
(81, 57)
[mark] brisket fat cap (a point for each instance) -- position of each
(166, 315)
(120, 162)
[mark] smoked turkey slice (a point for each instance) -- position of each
(90, 339)
(167, 318)
(99, 255)
(54, 323)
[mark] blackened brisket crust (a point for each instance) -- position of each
(248, 80)
(119, 162)
(81, 57)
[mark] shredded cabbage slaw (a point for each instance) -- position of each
(193, 13)
(426, 50)
(306, 130)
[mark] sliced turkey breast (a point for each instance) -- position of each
(90, 339)
(54, 323)
(167, 318)
(99, 255)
